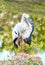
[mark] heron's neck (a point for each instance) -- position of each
(25, 22)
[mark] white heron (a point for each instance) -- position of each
(23, 30)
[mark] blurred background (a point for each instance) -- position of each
(9, 9)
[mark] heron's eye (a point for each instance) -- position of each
(24, 18)
(15, 32)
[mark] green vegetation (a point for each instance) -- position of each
(29, 62)
(22, 6)
(37, 14)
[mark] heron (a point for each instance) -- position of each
(23, 30)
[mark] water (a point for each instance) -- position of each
(42, 56)
(6, 55)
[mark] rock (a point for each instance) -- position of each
(25, 57)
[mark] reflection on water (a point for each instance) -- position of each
(6, 55)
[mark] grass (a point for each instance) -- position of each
(20, 7)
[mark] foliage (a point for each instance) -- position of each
(29, 62)
(8, 10)
(38, 37)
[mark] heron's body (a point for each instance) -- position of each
(22, 29)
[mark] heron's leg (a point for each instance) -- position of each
(15, 43)
(21, 44)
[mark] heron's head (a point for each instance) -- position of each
(25, 17)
